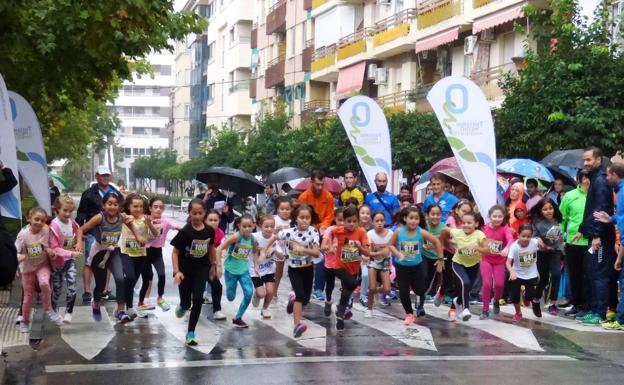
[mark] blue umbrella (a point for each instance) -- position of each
(528, 168)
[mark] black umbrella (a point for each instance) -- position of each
(569, 158)
(286, 174)
(233, 179)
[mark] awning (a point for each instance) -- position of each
(437, 40)
(497, 18)
(350, 80)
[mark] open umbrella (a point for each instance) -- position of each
(286, 174)
(232, 179)
(443, 164)
(59, 182)
(568, 158)
(329, 184)
(526, 167)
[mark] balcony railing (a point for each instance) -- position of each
(488, 79)
(353, 44)
(323, 57)
(276, 19)
(274, 74)
(397, 100)
(480, 3)
(252, 88)
(239, 85)
(306, 56)
(431, 12)
(254, 36)
(320, 108)
(393, 27)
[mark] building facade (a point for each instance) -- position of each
(180, 119)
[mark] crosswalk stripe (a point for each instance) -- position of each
(9, 331)
(87, 337)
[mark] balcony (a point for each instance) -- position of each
(393, 27)
(480, 3)
(252, 88)
(323, 57)
(239, 85)
(276, 19)
(274, 74)
(254, 36)
(397, 101)
(431, 12)
(353, 44)
(488, 79)
(306, 54)
(315, 107)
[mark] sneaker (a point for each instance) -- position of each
(339, 324)
(146, 306)
(496, 307)
(179, 311)
(255, 301)
(122, 317)
(299, 330)
(219, 316)
(368, 313)
(580, 318)
(86, 298)
(438, 299)
(502, 302)
(108, 296)
(24, 327)
(420, 312)
(207, 299)
(348, 314)
(611, 315)
(485, 315)
(318, 295)
(594, 319)
(327, 309)
(364, 302)
(239, 323)
(409, 319)
(573, 312)
(163, 305)
(393, 295)
(448, 299)
(452, 315)
(190, 339)
(55, 317)
(455, 304)
(383, 299)
(18, 319)
(104, 296)
(552, 310)
(97, 313)
(465, 315)
(566, 305)
(291, 303)
(132, 313)
(614, 325)
(517, 317)
(67, 318)
(142, 313)
(537, 309)
(265, 313)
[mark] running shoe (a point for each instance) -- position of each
(368, 313)
(219, 316)
(318, 295)
(164, 305)
(265, 313)
(132, 313)
(339, 324)
(86, 298)
(348, 314)
(291, 303)
(190, 339)
(409, 319)
(594, 319)
(452, 315)
(517, 317)
(18, 319)
(179, 311)
(581, 318)
(239, 323)
(364, 302)
(108, 296)
(67, 318)
(552, 310)
(611, 314)
(327, 309)
(122, 317)
(420, 312)
(255, 301)
(299, 330)
(393, 295)
(465, 315)
(566, 305)
(537, 309)
(614, 325)
(438, 299)
(573, 312)
(485, 315)
(104, 296)
(496, 307)
(383, 299)
(448, 299)
(207, 299)
(55, 317)
(24, 327)
(97, 313)
(142, 313)
(146, 306)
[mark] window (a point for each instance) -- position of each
(128, 152)
(187, 111)
(290, 45)
(222, 50)
(164, 91)
(508, 51)
(211, 8)
(165, 70)
(232, 34)
(211, 91)
(211, 52)
(163, 111)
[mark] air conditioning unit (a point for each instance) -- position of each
(469, 44)
(381, 76)
(372, 71)
(384, 2)
(487, 35)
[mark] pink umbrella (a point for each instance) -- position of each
(444, 164)
(329, 184)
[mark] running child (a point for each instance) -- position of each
(329, 247)
(241, 248)
(34, 254)
(406, 246)
(66, 242)
(433, 216)
(216, 289)
(194, 262)
(264, 279)
(365, 223)
(522, 266)
(283, 220)
(379, 262)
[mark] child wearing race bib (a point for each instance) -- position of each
(379, 262)
(155, 258)
(365, 223)
(194, 262)
(522, 267)
(469, 244)
(264, 279)
(433, 216)
(329, 247)
(66, 241)
(34, 254)
(241, 247)
(406, 246)
(499, 238)
(283, 221)
(301, 244)
(216, 289)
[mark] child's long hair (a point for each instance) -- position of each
(194, 201)
(407, 211)
(313, 215)
(536, 211)
(502, 210)
(338, 211)
(459, 204)
(134, 196)
(63, 199)
(110, 196)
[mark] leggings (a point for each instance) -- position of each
(464, 279)
(577, 274)
(529, 289)
(301, 281)
(330, 283)
(411, 277)
(30, 280)
(132, 268)
(432, 279)
(67, 273)
(216, 291)
(192, 291)
(548, 262)
(448, 278)
(349, 282)
(491, 271)
(114, 265)
(155, 258)
(230, 289)
(319, 276)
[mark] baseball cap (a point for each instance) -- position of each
(102, 170)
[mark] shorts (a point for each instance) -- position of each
(260, 281)
(379, 264)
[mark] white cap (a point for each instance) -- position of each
(102, 170)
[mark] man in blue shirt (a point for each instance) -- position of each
(442, 198)
(381, 200)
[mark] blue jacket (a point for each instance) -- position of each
(390, 200)
(599, 198)
(618, 218)
(446, 203)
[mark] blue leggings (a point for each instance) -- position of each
(230, 289)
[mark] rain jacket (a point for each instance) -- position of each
(572, 209)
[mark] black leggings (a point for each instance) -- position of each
(330, 283)
(155, 258)
(465, 278)
(411, 278)
(529, 289)
(577, 275)
(114, 265)
(301, 280)
(349, 282)
(216, 291)
(192, 291)
(448, 278)
(132, 268)
(548, 262)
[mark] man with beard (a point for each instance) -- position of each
(381, 200)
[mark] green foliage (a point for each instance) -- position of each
(153, 166)
(14, 225)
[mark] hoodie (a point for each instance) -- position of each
(599, 198)
(515, 203)
(516, 222)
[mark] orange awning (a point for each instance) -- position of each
(497, 18)
(350, 80)
(437, 40)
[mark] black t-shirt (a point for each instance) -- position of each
(194, 245)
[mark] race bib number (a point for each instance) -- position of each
(495, 246)
(69, 243)
(410, 249)
(133, 246)
(266, 265)
(553, 234)
(199, 248)
(110, 238)
(350, 252)
(298, 257)
(468, 252)
(376, 247)
(34, 250)
(242, 251)
(526, 259)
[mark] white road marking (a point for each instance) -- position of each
(87, 337)
(9, 331)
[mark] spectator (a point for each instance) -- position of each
(351, 190)
(381, 200)
(557, 193)
(8, 253)
(532, 192)
(54, 192)
(269, 200)
(405, 192)
(439, 196)
(210, 198)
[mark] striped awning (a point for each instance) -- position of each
(437, 40)
(497, 18)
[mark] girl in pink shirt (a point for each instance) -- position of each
(329, 247)
(499, 238)
(216, 288)
(34, 254)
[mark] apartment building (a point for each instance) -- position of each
(180, 119)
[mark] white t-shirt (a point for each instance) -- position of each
(280, 224)
(293, 237)
(69, 238)
(377, 242)
(524, 259)
(266, 264)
